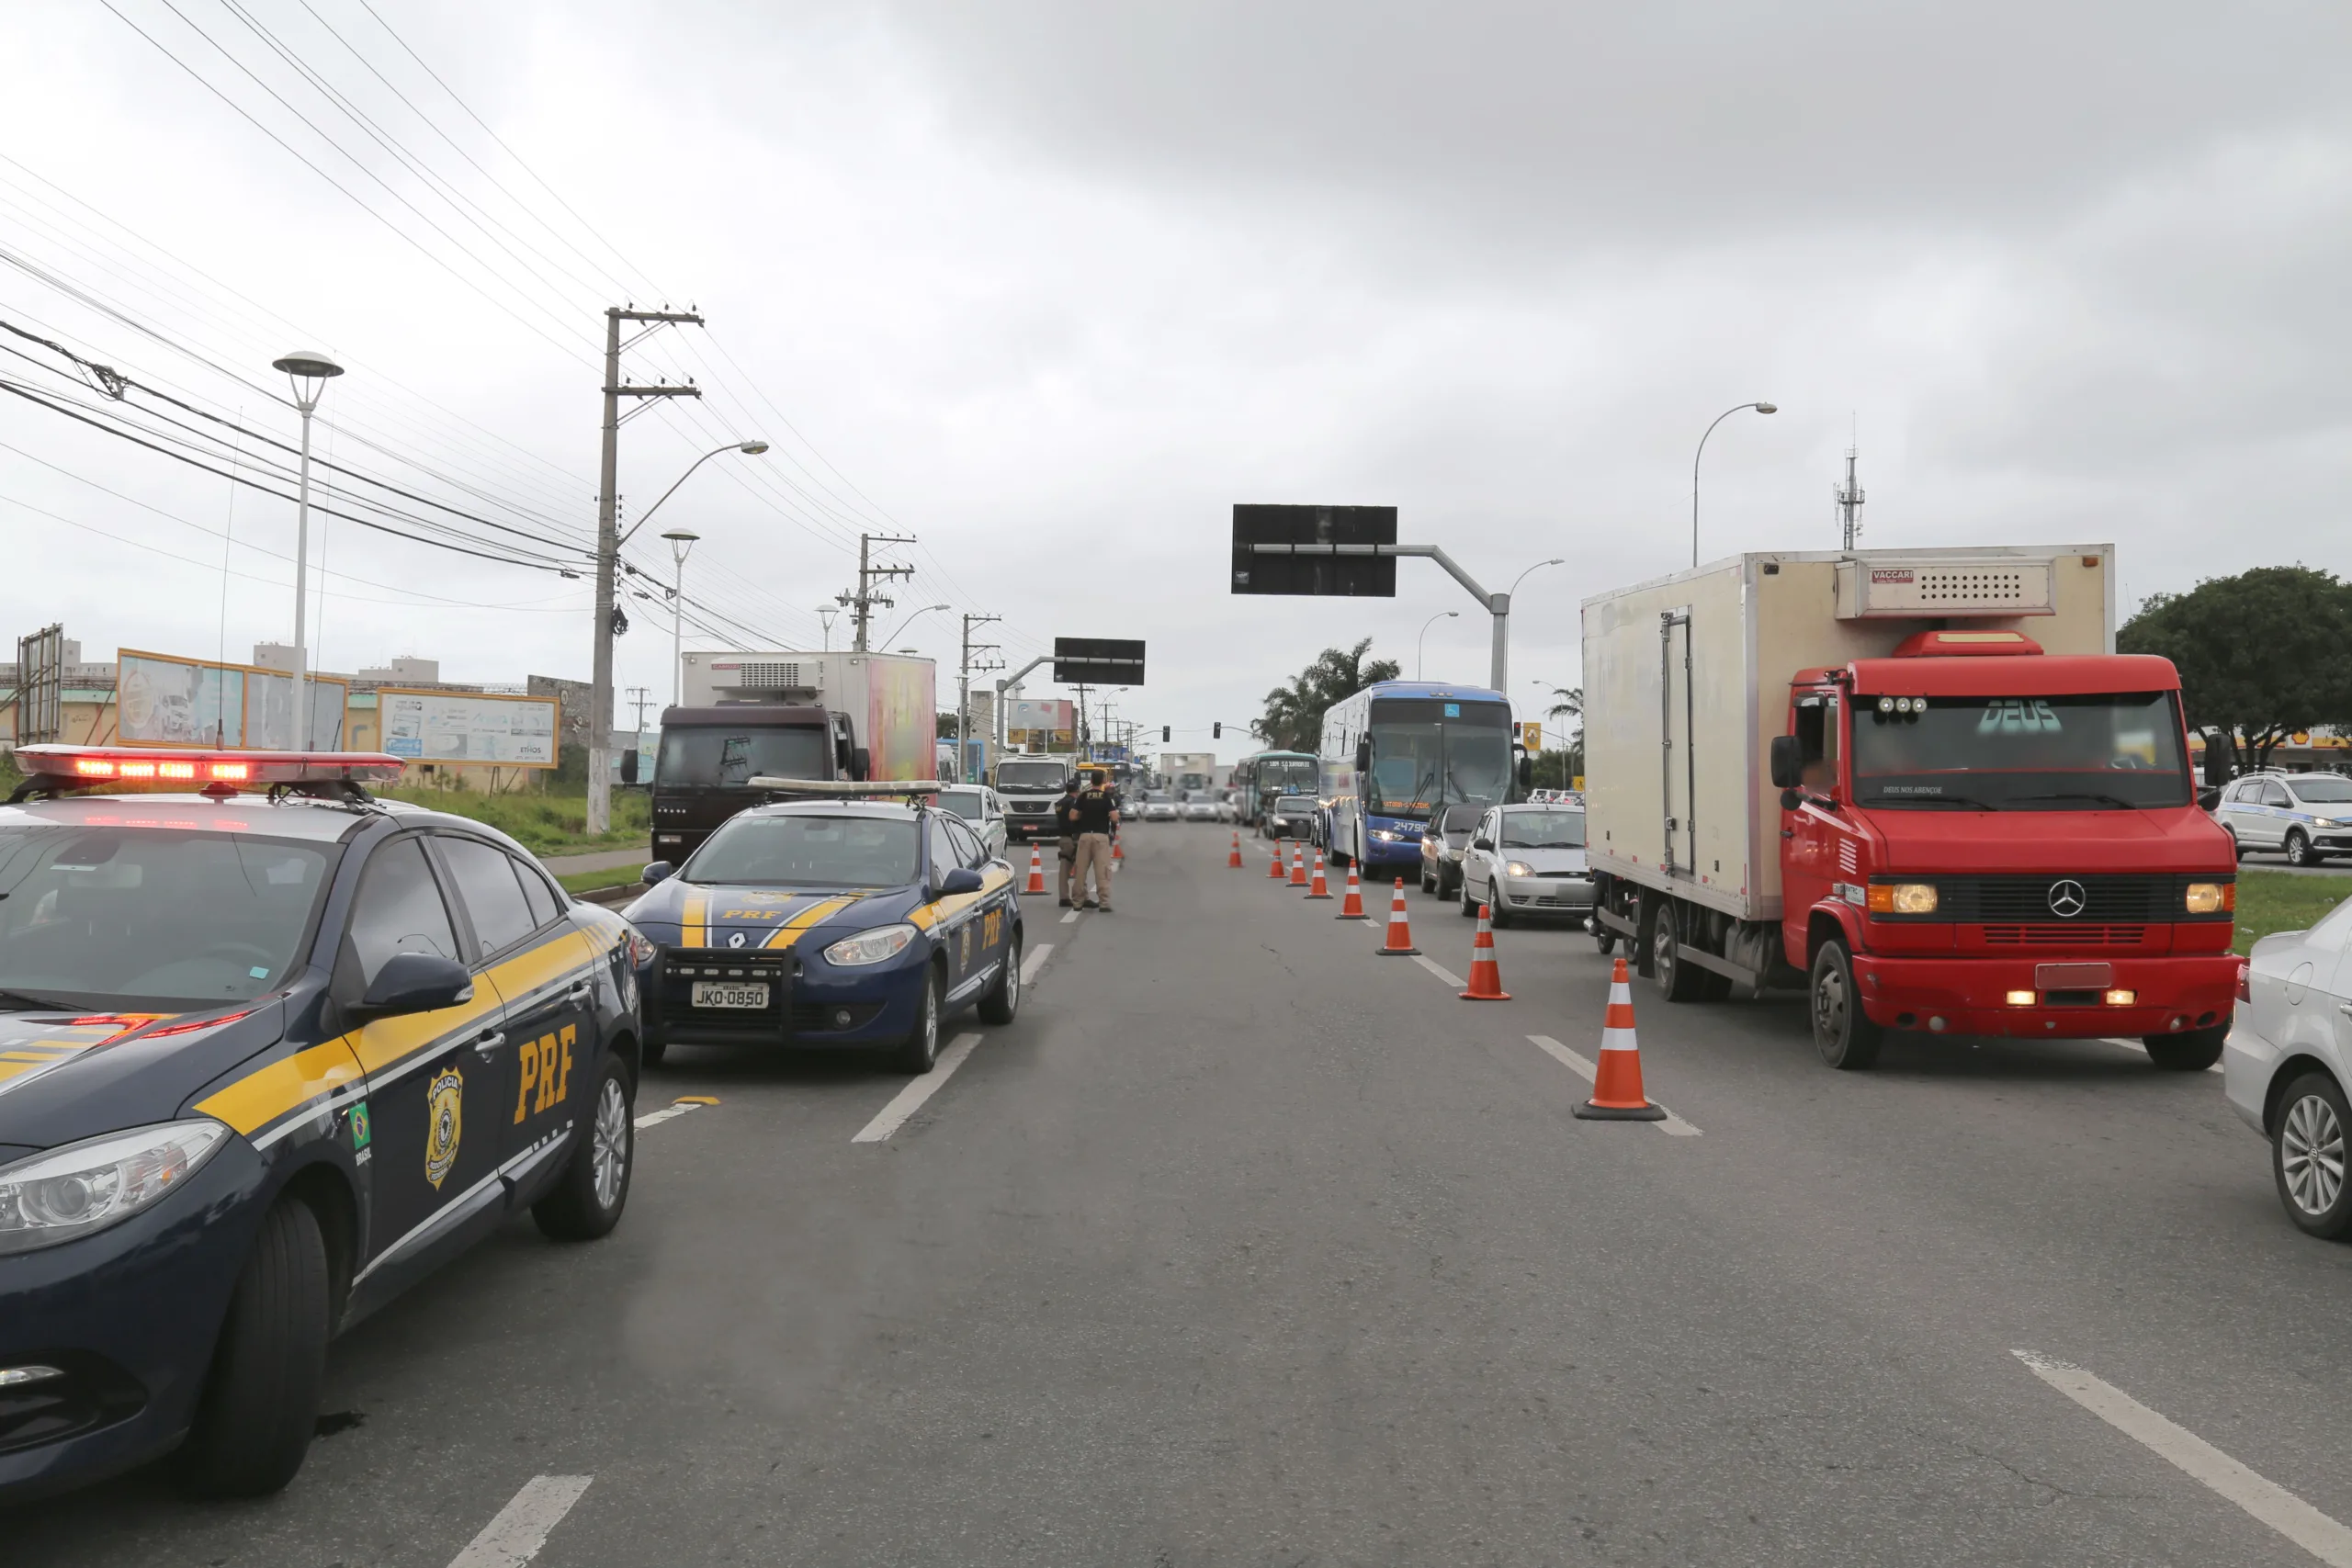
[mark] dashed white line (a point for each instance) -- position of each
(1426, 962)
(1071, 919)
(2315, 1532)
(910, 1099)
(515, 1536)
(1673, 1126)
(667, 1113)
(1034, 962)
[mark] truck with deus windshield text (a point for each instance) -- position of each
(822, 717)
(1922, 785)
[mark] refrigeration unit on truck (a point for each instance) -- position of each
(795, 716)
(1921, 785)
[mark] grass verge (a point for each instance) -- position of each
(2278, 901)
(580, 882)
(544, 824)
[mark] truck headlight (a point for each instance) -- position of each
(1903, 899)
(2212, 898)
(86, 1186)
(1518, 868)
(870, 947)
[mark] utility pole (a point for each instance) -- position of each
(861, 603)
(643, 697)
(1849, 502)
(600, 679)
(964, 692)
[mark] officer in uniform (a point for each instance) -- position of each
(1066, 831)
(1093, 814)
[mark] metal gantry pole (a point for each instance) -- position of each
(302, 738)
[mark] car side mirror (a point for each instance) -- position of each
(962, 879)
(2209, 798)
(1481, 843)
(861, 763)
(416, 982)
(1787, 761)
(1791, 800)
(1526, 770)
(657, 870)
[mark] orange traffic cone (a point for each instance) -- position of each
(1275, 870)
(1235, 862)
(1485, 975)
(1317, 889)
(1617, 1087)
(1353, 908)
(1298, 866)
(1400, 930)
(1036, 873)
(1118, 851)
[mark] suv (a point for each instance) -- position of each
(2305, 817)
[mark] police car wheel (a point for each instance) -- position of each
(921, 1053)
(1004, 999)
(587, 1201)
(261, 1398)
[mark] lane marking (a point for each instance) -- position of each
(670, 1112)
(1439, 970)
(2267, 1501)
(1071, 919)
(515, 1536)
(1034, 962)
(1673, 1126)
(908, 1100)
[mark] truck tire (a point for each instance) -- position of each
(261, 1399)
(1844, 1034)
(1603, 937)
(2307, 1156)
(1678, 981)
(2190, 1051)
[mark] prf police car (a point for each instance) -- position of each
(828, 924)
(266, 1060)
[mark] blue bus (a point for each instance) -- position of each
(1398, 753)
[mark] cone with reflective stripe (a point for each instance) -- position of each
(1316, 889)
(1298, 866)
(1036, 873)
(1275, 870)
(1118, 850)
(1353, 908)
(1485, 975)
(1400, 930)
(1617, 1086)
(1234, 864)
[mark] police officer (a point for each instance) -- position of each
(1093, 814)
(1065, 830)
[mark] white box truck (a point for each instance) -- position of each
(1919, 783)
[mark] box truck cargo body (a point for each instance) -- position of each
(1919, 783)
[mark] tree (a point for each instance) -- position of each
(1567, 702)
(1293, 720)
(2261, 655)
(945, 720)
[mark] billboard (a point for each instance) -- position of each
(1023, 713)
(1098, 662)
(162, 700)
(1344, 540)
(468, 729)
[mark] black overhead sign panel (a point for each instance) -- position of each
(1329, 551)
(1097, 662)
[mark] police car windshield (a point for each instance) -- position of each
(197, 917)
(807, 852)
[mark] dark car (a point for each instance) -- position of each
(266, 1061)
(1442, 850)
(830, 925)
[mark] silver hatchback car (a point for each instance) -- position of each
(2284, 1065)
(2305, 817)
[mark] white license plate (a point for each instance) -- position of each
(725, 994)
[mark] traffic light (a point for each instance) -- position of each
(1216, 731)
(1166, 733)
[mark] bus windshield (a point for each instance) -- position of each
(1428, 752)
(1281, 775)
(2091, 753)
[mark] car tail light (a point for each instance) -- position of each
(2245, 991)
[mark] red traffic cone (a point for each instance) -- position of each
(1617, 1086)
(1036, 873)
(1485, 975)
(1275, 870)
(1235, 862)
(1400, 930)
(1118, 851)
(1316, 889)
(1298, 866)
(1353, 909)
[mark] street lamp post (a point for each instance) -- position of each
(1760, 408)
(309, 373)
(682, 544)
(903, 626)
(1500, 658)
(1422, 641)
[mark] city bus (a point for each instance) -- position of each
(1263, 775)
(1398, 753)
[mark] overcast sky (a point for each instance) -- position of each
(1052, 285)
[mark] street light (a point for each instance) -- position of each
(825, 613)
(1423, 640)
(309, 373)
(903, 626)
(682, 544)
(1498, 658)
(1760, 408)
(749, 448)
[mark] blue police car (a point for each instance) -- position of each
(266, 1060)
(827, 925)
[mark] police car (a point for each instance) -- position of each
(266, 1060)
(835, 923)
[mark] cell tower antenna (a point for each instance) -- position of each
(1849, 500)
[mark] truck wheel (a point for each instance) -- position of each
(1677, 981)
(587, 1201)
(921, 1052)
(2190, 1051)
(2307, 1156)
(1603, 937)
(261, 1399)
(2299, 847)
(1846, 1037)
(1005, 997)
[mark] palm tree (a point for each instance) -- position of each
(1293, 720)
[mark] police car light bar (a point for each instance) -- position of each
(139, 764)
(849, 788)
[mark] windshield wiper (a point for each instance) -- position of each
(24, 1001)
(2082, 794)
(1967, 801)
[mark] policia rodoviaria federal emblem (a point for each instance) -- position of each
(444, 1123)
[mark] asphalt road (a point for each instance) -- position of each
(1245, 1246)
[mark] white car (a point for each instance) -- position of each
(2305, 817)
(1200, 808)
(1527, 860)
(2284, 1065)
(982, 809)
(1160, 807)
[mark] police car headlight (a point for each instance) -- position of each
(641, 951)
(1518, 868)
(86, 1186)
(870, 947)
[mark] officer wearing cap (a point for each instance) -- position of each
(1066, 831)
(1093, 813)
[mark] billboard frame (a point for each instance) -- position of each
(244, 738)
(555, 733)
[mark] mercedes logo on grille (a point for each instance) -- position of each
(2067, 900)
